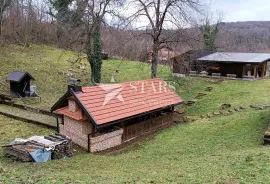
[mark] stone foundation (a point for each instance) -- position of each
(105, 141)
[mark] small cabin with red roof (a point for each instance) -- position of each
(105, 116)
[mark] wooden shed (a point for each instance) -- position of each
(101, 117)
(185, 62)
(19, 84)
(236, 63)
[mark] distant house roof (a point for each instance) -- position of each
(236, 57)
(17, 76)
(114, 102)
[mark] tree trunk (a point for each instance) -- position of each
(2, 6)
(89, 55)
(94, 52)
(97, 54)
(154, 59)
(1, 20)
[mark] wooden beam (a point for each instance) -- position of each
(263, 69)
(255, 71)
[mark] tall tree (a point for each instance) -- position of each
(95, 16)
(210, 34)
(161, 14)
(3, 5)
(89, 14)
(62, 14)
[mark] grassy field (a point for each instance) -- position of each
(217, 150)
(53, 67)
(28, 115)
(222, 149)
(236, 93)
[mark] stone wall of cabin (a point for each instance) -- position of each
(107, 140)
(76, 130)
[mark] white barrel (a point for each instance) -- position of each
(33, 90)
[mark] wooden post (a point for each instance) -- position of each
(263, 69)
(255, 71)
(58, 131)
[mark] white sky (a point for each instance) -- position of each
(236, 10)
(243, 10)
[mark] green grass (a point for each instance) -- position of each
(28, 115)
(217, 150)
(236, 93)
(222, 149)
(50, 67)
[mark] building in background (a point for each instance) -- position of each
(20, 84)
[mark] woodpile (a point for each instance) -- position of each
(61, 150)
(21, 150)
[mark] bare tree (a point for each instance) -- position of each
(93, 19)
(90, 16)
(161, 14)
(3, 5)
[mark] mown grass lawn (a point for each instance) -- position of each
(222, 149)
(217, 150)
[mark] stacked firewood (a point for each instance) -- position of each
(21, 150)
(61, 150)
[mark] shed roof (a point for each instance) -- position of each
(17, 76)
(195, 54)
(112, 102)
(236, 57)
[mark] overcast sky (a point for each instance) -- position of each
(243, 10)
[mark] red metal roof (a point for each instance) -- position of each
(112, 102)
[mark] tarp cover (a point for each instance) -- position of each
(41, 155)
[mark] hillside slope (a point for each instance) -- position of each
(52, 67)
(223, 149)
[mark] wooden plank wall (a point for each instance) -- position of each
(136, 129)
